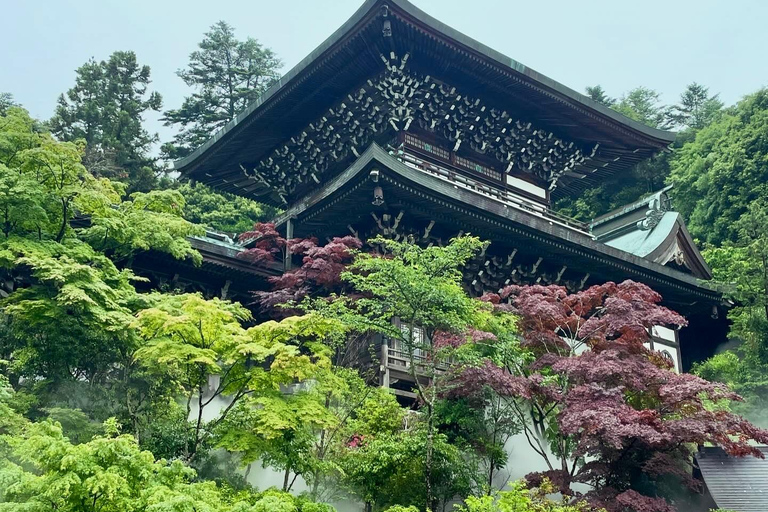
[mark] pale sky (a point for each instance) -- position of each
(616, 43)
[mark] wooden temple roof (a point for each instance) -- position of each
(332, 209)
(310, 98)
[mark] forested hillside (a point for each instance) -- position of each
(113, 399)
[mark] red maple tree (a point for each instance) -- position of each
(319, 272)
(601, 408)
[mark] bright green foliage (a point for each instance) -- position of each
(390, 470)
(355, 411)
(146, 221)
(68, 306)
(521, 499)
(71, 322)
(226, 74)
(44, 471)
(408, 297)
(744, 267)
(723, 170)
(289, 419)
(105, 108)
(222, 211)
(11, 422)
(190, 341)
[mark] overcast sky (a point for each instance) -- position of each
(616, 43)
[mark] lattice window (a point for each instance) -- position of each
(465, 163)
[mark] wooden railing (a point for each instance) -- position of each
(505, 196)
(399, 359)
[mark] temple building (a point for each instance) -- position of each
(400, 125)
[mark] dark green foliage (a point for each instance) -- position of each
(597, 93)
(225, 74)
(6, 102)
(106, 108)
(695, 110)
(718, 174)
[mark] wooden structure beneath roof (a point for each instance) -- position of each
(399, 125)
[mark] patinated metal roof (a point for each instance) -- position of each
(354, 53)
(649, 228)
(739, 484)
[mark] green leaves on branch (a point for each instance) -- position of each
(110, 473)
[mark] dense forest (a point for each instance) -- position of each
(115, 399)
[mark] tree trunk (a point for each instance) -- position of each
(285, 478)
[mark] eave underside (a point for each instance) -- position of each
(354, 54)
(344, 207)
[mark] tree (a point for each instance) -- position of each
(222, 211)
(291, 407)
(111, 473)
(201, 346)
(697, 109)
(409, 296)
(744, 267)
(145, 221)
(226, 75)
(6, 102)
(320, 272)
(718, 174)
(599, 407)
(519, 498)
(105, 108)
(643, 104)
(382, 470)
(67, 307)
(474, 413)
(598, 94)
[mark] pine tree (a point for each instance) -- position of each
(226, 74)
(597, 93)
(696, 109)
(106, 108)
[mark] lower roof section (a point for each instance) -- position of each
(335, 208)
(739, 484)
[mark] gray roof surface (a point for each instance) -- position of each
(735, 483)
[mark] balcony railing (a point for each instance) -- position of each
(507, 197)
(400, 360)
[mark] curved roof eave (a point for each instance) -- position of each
(428, 21)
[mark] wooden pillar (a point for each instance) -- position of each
(288, 236)
(384, 373)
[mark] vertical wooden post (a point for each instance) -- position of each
(288, 236)
(384, 374)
